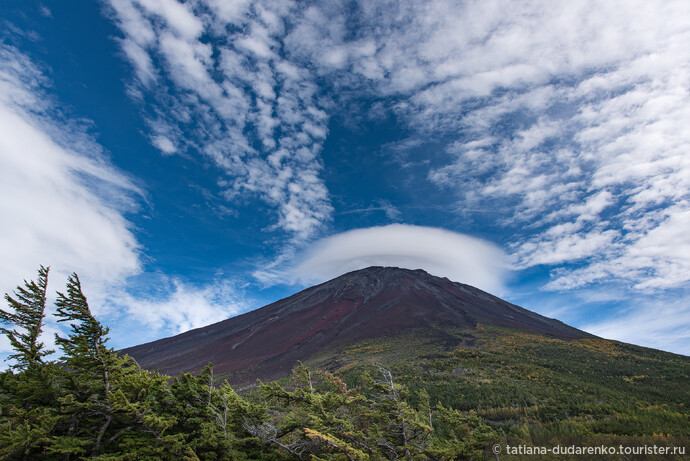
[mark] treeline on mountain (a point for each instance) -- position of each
(525, 383)
(92, 403)
(537, 390)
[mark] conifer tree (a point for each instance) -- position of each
(89, 364)
(459, 435)
(402, 431)
(27, 390)
(190, 402)
(318, 417)
(28, 304)
(143, 427)
(85, 349)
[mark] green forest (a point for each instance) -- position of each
(380, 401)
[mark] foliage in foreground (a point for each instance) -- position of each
(95, 404)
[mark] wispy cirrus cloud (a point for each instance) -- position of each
(236, 99)
(63, 203)
(390, 210)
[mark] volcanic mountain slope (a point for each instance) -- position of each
(364, 304)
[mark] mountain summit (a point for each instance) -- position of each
(364, 304)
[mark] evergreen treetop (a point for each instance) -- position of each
(28, 310)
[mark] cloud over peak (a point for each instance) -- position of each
(459, 257)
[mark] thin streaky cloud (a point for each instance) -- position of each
(68, 199)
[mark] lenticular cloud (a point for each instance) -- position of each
(459, 257)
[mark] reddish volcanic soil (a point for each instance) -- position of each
(367, 303)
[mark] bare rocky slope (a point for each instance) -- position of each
(368, 303)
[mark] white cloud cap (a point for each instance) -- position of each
(440, 252)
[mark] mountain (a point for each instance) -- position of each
(532, 378)
(362, 305)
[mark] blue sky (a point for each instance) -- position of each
(195, 160)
